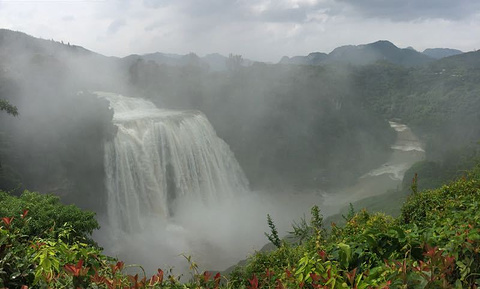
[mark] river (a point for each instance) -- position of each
(406, 151)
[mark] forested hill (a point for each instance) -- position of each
(290, 126)
(55, 144)
(439, 101)
(364, 54)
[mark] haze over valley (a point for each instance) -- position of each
(283, 144)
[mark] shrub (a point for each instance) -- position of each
(47, 214)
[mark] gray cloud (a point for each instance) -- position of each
(217, 12)
(115, 26)
(155, 3)
(407, 10)
(155, 25)
(296, 15)
(68, 18)
(224, 9)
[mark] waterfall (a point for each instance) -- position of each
(159, 156)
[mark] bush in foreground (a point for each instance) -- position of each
(435, 243)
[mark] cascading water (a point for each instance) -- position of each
(159, 156)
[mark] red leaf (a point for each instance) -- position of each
(75, 270)
(7, 221)
(269, 273)
(25, 212)
(314, 277)
(118, 267)
(217, 279)
(206, 276)
(279, 285)
(253, 282)
(323, 255)
(160, 276)
(70, 269)
(351, 276)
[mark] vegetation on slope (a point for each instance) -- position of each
(434, 243)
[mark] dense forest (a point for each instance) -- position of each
(292, 127)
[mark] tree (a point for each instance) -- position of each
(234, 62)
(6, 106)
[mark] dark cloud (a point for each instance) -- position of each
(115, 26)
(407, 10)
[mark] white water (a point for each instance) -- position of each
(160, 156)
(406, 151)
(174, 187)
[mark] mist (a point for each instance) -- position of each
(323, 134)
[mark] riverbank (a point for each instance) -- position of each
(407, 150)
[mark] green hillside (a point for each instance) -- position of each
(434, 243)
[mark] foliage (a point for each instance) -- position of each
(55, 261)
(433, 244)
(273, 236)
(6, 106)
(48, 215)
(439, 101)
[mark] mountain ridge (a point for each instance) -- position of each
(382, 50)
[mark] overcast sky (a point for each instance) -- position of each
(257, 29)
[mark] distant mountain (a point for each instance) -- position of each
(22, 54)
(16, 45)
(212, 62)
(314, 58)
(438, 53)
(364, 54)
(464, 61)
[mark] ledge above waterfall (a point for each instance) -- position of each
(127, 109)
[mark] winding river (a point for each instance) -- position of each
(406, 151)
